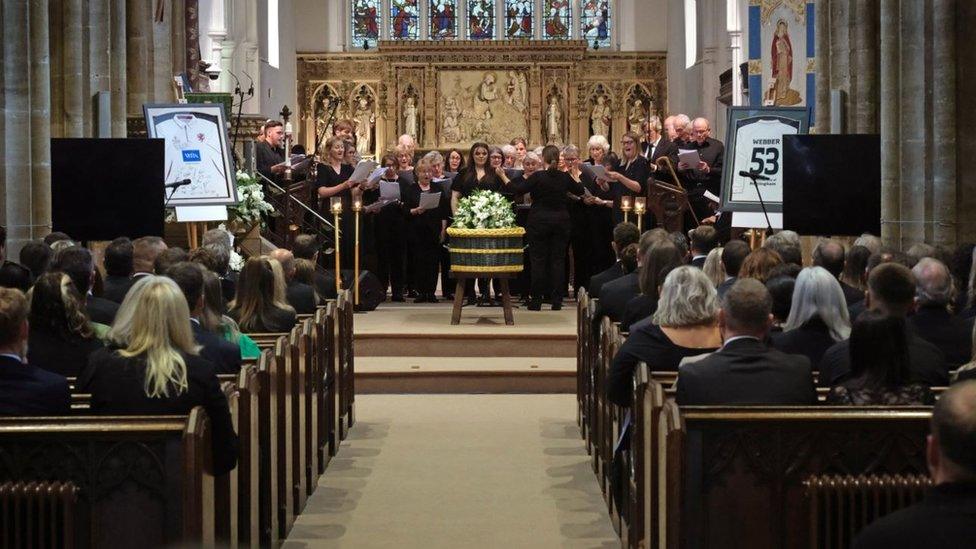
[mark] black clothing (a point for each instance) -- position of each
(696, 181)
(599, 219)
(265, 157)
(698, 262)
(855, 393)
(638, 308)
(327, 177)
(926, 363)
(811, 340)
(945, 519)
(746, 371)
(52, 352)
(613, 272)
(225, 356)
(101, 310)
(279, 320)
(851, 294)
(389, 228)
(26, 390)
(614, 297)
(725, 286)
(646, 343)
(114, 288)
(424, 231)
(581, 238)
(228, 288)
(466, 183)
(637, 170)
(117, 386)
(548, 230)
(950, 333)
(325, 285)
(301, 297)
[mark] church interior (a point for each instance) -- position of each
(487, 273)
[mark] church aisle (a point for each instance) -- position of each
(458, 471)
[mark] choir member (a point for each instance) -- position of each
(333, 181)
(389, 230)
(509, 152)
(476, 175)
(520, 150)
(707, 175)
(580, 230)
(427, 229)
(631, 176)
(268, 153)
(344, 129)
(454, 162)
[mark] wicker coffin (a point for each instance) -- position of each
(486, 250)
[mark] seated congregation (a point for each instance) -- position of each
(728, 393)
(225, 411)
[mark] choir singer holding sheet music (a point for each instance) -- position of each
(334, 180)
(707, 174)
(427, 206)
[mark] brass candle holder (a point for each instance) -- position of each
(336, 206)
(640, 206)
(357, 207)
(626, 206)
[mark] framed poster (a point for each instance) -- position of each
(754, 144)
(196, 149)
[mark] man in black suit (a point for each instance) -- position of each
(24, 389)
(306, 246)
(299, 295)
(707, 174)
(145, 251)
(656, 146)
(945, 518)
(615, 294)
(77, 262)
(118, 269)
(891, 290)
(36, 256)
(831, 256)
(733, 254)
(932, 320)
(624, 234)
(226, 356)
(745, 370)
(704, 238)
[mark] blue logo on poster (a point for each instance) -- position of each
(191, 155)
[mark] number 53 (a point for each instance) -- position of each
(769, 165)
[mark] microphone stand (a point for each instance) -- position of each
(754, 177)
(237, 123)
(297, 201)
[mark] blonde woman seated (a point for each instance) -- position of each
(684, 325)
(151, 366)
(260, 304)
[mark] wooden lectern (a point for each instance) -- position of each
(668, 202)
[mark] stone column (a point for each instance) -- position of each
(913, 136)
(119, 68)
(137, 32)
(40, 117)
(864, 86)
(160, 52)
(822, 23)
(73, 69)
(217, 33)
(890, 127)
(99, 59)
(17, 130)
(944, 123)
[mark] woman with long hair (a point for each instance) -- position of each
(61, 336)
(213, 320)
(260, 304)
(454, 162)
(477, 175)
(333, 181)
(631, 176)
(661, 258)
(548, 229)
(818, 316)
(879, 365)
(152, 366)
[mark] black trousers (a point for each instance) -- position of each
(581, 241)
(390, 243)
(548, 236)
(425, 240)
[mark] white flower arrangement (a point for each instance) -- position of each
(251, 203)
(484, 210)
(236, 261)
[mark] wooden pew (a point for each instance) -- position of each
(226, 496)
(297, 370)
(347, 374)
(310, 430)
(38, 514)
(329, 430)
(143, 480)
(737, 473)
(282, 414)
(250, 393)
(582, 388)
(268, 435)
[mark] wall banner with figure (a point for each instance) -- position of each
(196, 149)
(754, 144)
(782, 53)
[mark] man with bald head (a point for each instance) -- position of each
(830, 255)
(891, 291)
(745, 370)
(300, 296)
(706, 175)
(932, 320)
(944, 518)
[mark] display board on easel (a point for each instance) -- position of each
(754, 144)
(199, 170)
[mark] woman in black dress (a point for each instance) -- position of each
(580, 229)
(599, 210)
(477, 175)
(426, 229)
(333, 181)
(389, 226)
(631, 176)
(548, 228)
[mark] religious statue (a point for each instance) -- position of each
(780, 92)
(637, 117)
(600, 117)
(410, 118)
(554, 121)
(516, 94)
(364, 127)
(451, 127)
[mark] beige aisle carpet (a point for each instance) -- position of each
(457, 471)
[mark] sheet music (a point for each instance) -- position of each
(363, 170)
(596, 171)
(690, 157)
(375, 176)
(444, 182)
(389, 191)
(430, 201)
(712, 197)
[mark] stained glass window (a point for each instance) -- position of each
(481, 19)
(595, 22)
(443, 19)
(519, 16)
(556, 19)
(404, 19)
(365, 21)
